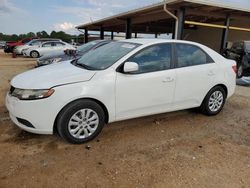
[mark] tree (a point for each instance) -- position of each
(30, 34)
(42, 34)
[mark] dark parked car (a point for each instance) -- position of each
(9, 47)
(240, 52)
(70, 54)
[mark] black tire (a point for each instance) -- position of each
(205, 109)
(34, 54)
(67, 114)
(240, 71)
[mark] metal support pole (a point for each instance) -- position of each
(181, 18)
(128, 28)
(225, 33)
(176, 20)
(86, 36)
(135, 35)
(101, 33)
(112, 35)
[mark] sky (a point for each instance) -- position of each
(22, 16)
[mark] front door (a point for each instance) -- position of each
(150, 90)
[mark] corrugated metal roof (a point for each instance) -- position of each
(211, 3)
(222, 4)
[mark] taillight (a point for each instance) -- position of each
(234, 67)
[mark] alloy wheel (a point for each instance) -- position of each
(216, 101)
(83, 123)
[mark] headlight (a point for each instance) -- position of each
(47, 62)
(32, 94)
(56, 60)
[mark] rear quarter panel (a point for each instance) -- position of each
(224, 71)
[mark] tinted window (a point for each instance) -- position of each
(58, 44)
(25, 40)
(35, 43)
(87, 46)
(154, 58)
(190, 55)
(49, 44)
(105, 56)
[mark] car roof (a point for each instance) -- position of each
(155, 41)
(44, 42)
(46, 39)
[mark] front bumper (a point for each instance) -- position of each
(33, 111)
(17, 51)
(25, 53)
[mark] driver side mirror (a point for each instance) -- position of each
(130, 67)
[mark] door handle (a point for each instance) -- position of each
(168, 79)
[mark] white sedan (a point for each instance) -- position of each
(35, 43)
(47, 47)
(119, 81)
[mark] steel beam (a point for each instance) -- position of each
(128, 28)
(86, 36)
(112, 35)
(225, 33)
(181, 22)
(101, 33)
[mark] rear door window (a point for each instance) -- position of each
(58, 44)
(191, 55)
(47, 44)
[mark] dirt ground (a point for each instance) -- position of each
(180, 149)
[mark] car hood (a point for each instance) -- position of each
(52, 55)
(23, 46)
(51, 75)
(61, 54)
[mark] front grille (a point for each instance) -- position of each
(12, 89)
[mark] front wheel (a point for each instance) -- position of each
(34, 54)
(80, 121)
(214, 101)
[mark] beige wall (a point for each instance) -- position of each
(212, 36)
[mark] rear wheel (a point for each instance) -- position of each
(214, 101)
(34, 54)
(80, 121)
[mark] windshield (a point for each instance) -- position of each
(105, 56)
(248, 47)
(34, 43)
(29, 43)
(87, 46)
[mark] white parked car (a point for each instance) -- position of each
(119, 81)
(47, 47)
(35, 43)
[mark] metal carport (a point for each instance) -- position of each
(198, 20)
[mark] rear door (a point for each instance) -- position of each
(46, 48)
(196, 73)
(59, 46)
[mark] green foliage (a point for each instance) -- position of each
(41, 34)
